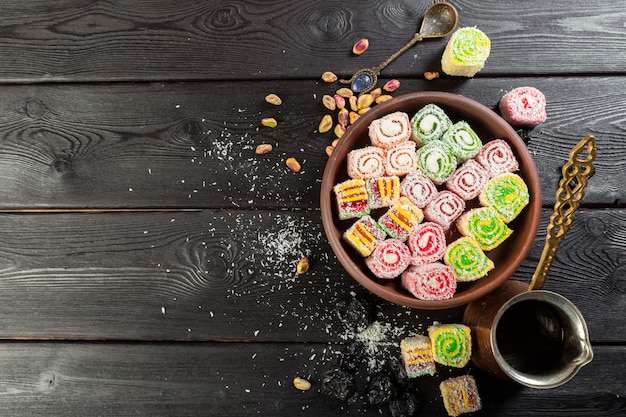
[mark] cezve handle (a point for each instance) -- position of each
(571, 190)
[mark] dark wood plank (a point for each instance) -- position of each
(231, 275)
(78, 40)
(234, 379)
(191, 145)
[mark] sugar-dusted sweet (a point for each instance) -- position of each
(401, 159)
(389, 259)
(451, 344)
(460, 395)
(497, 157)
(352, 200)
(430, 282)
(485, 226)
(427, 243)
(417, 356)
(418, 188)
(429, 124)
(466, 52)
(364, 235)
(367, 162)
(463, 141)
(467, 259)
(383, 191)
(400, 219)
(437, 161)
(444, 209)
(523, 107)
(507, 194)
(390, 130)
(468, 180)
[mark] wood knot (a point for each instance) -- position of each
(48, 381)
(328, 24)
(225, 19)
(63, 163)
(35, 109)
(188, 131)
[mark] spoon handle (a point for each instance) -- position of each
(571, 190)
(399, 52)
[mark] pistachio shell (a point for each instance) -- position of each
(339, 130)
(273, 99)
(343, 117)
(329, 102)
(325, 124)
(329, 150)
(303, 265)
(391, 85)
(360, 46)
(329, 77)
(269, 122)
(383, 98)
(340, 102)
(344, 92)
(263, 148)
(365, 100)
(293, 164)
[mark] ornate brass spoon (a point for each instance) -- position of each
(439, 20)
(571, 190)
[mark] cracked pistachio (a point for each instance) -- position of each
(273, 99)
(301, 384)
(325, 124)
(376, 93)
(344, 92)
(293, 164)
(339, 130)
(391, 85)
(343, 117)
(269, 122)
(329, 150)
(353, 116)
(340, 102)
(353, 103)
(303, 265)
(364, 101)
(263, 148)
(360, 46)
(431, 75)
(383, 98)
(329, 102)
(364, 110)
(329, 77)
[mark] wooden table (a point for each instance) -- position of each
(148, 255)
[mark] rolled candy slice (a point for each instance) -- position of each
(460, 395)
(507, 194)
(364, 235)
(451, 343)
(434, 281)
(468, 180)
(401, 159)
(417, 356)
(400, 219)
(523, 107)
(352, 200)
(437, 161)
(497, 158)
(427, 243)
(463, 141)
(444, 209)
(383, 191)
(466, 52)
(418, 188)
(429, 124)
(485, 226)
(467, 259)
(390, 130)
(367, 162)
(390, 258)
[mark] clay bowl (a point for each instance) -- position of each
(488, 125)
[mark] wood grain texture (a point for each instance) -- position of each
(231, 276)
(234, 379)
(191, 145)
(79, 40)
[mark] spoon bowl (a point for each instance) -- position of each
(439, 20)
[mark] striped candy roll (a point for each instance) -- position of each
(383, 191)
(429, 124)
(485, 226)
(390, 130)
(427, 243)
(451, 344)
(417, 356)
(466, 52)
(434, 281)
(400, 219)
(444, 209)
(418, 188)
(523, 107)
(389, 259)
(497, 158)
(352, 201)
(507, 194)
(464, 142)
(367, 162)
(460, 395)
(364, 235)
(437, 161)
(467, 259)
(468, 180)
(401, 159)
